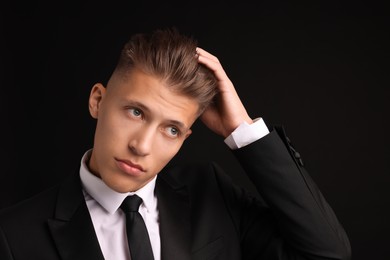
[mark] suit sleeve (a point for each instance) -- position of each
(5, 252)
(301, 224)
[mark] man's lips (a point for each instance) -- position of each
(129, 167)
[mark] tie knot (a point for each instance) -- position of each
(131, 204)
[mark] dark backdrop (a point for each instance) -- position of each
(318, 68)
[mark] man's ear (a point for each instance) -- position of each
(95, 98)
(188, 133)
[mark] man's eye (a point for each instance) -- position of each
(173, 131)
(135, 112)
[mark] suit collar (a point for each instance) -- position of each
(174, 217)
(71, 228)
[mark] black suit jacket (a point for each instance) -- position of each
(203, 215)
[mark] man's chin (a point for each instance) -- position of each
(124, 186)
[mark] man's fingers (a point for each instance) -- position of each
(206, 54)
(212, 63)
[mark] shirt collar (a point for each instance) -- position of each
(109, 199)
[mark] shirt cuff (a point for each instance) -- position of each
(246, 134)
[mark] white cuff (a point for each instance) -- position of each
(246, 133)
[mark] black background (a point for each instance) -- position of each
(319, 68)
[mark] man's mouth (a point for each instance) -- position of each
(129, 167)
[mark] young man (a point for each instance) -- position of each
(163, 82)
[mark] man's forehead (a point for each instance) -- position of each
(137, 78)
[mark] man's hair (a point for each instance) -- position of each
(171, 57)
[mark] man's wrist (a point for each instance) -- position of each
(246, 134)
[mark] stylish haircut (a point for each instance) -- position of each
(171, 57)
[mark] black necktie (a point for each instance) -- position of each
(137, 234)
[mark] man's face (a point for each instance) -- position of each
(141, 125)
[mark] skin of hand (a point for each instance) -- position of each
(227, 112)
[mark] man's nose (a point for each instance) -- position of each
(141, 142)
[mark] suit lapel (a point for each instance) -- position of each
(174, 217)
(75, 238)
(71, 228)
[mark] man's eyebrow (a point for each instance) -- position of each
(138, 104)
(178, 124)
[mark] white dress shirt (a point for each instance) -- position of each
(103, 202)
